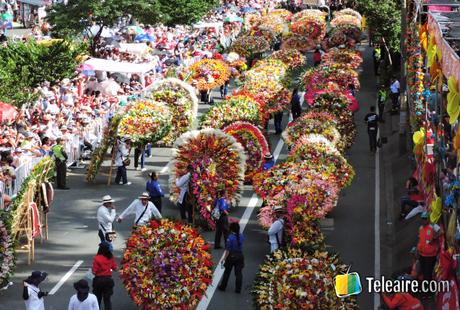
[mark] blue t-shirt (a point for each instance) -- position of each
(154, 189)
(232, 243)
(268, 165)
(222, 204)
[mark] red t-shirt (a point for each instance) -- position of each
(102, 266)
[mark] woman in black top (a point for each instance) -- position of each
(233, 257)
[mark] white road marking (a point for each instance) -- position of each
(377, 224)
(219, 271)
(165, 169)
(65, 277)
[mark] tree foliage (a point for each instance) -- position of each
(24, 66)
(383, 19)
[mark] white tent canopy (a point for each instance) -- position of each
(99, 64)
(134, 48)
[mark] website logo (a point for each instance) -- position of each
(348, 284)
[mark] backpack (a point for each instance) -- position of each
(215, 212)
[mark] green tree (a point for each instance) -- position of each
(185, 11)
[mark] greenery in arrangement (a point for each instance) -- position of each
(78, 16)
(24, 66)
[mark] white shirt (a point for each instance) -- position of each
(276, 229)
(121, 154)
(33, 302)
(137, 208)
(182, 183)
(105, 218)
(394, 88)
(89, 303)
(52, 108)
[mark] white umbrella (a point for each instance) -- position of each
(106, 32)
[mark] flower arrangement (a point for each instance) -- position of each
(275, 23)
(254, 143)
(209, 73)
(271, 182)
(297, 42)
(261, 31)
(350, 12)
(319, 151)
(340, 75)
(97, 157)
(312, 27)
(182, 102)
(308, 125)
(291, 279)
(308, 13)
(218, 160)
(292, 58)
(7, 258)
(344, 56)
(248, 46)
(340, 34)
(234, 108)
(145, 122)
(166, 265)
(280, 13)
(345, 19)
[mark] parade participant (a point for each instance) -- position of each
(317, 57)
(183, 184)
(139, 151)
(143, 209)
(233, 257)
(32, 295)
(278, 120)
(402, 301)
(428, 246)
(394, 95)
(382, 99)
(155, 191)
(296, 109)
(275, 232)
(376, 56)
(105, 216)
(371, 119)
(83, 299)
(269, 162)
(103, 266)
(121, 161)
(60, 157)
(222, 222)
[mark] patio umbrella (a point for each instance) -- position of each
(108, 87)
(143, 37)
(135, 30)
(8, 113)
(86, 69)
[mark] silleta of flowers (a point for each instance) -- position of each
(145, 121)
(347, 57)
(317, 150)
(307, 125)
(345, 19)
(317, 78)
(166, 265)
(254, 143)
(292, 58)
(6, 254)
(298, 42)
(342, 34)
(313, 27)
(218, 160)
(209, 73)
(234, 108)
(248, 46)
(182, 102)
(293, 279)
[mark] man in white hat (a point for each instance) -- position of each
(275, 232)
(105, 216)
(143, 209)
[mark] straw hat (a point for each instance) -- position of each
(144, 195)
(107, 199)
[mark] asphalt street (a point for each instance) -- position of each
(73, 227)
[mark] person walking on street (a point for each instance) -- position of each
(371, 120)
(316, 57)
(394, 95)
(60, 158)
(428, 246)
(376, 56)
(154, 189)
(222, 222)
(278, 120)
(139, 151)
(143, 209)
(402, 301)
(275, 232)
(233, 258)
(32, 295)
(103, 266)
(121, 161)
(83, 299)
(183, 184)
(296, 109)
(105, 217)
(382, 99)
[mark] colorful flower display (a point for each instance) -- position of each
(166, 265)
(319, 151)
(145, 122)
(6, 254)
(342, 33)
(308, 125)
(348, 12)
(292, 58)
(182, 102)
(293, 279)
(346, 57)
(313, 27)
(248, 46)
(234, 108)
(264, 32)
(209, 73)
(345, 19)
(254, 143)
(341, 75)
(308, 13)
(218, 160)
(298, 42)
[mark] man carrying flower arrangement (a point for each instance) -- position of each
(276, 238)
(143, 209)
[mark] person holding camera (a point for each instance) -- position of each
(32, 295)
(105, 217)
